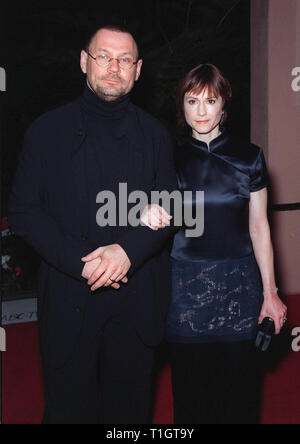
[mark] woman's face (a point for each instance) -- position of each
(203, 112)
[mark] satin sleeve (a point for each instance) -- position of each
(259, 173)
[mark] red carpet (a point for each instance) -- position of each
(23, 390)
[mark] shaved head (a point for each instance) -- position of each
(113, 28)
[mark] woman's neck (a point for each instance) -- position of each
(209, 137)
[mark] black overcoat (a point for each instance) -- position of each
(48, 208)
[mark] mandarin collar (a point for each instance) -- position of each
(216, 143)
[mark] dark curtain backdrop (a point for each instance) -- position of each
(41, 44)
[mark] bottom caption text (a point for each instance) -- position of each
(151, 433)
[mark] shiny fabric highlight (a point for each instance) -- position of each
(227, 171)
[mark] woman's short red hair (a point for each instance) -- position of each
(199, 79)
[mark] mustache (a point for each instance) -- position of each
(112, 77)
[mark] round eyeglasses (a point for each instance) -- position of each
(104, 60)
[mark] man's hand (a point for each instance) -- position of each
(90, 267)
(113, 268)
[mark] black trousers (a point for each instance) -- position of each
(218, 383)
(113, 362)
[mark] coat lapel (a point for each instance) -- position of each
(136, 143)
(79, 170)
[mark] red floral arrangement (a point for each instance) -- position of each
(11, 270)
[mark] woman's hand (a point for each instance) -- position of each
(155, 217)
(274, 308)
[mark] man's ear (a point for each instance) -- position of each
(83, 61)
(138, 70)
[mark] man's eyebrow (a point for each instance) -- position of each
(101, 50)
(106, 50)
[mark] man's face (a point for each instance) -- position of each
(111, 82)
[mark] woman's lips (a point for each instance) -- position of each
(202, 122)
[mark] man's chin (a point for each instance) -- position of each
(109, 94)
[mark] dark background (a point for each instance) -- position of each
(40, 50)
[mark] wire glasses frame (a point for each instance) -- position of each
(105, 62)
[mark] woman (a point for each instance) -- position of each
(223, 282)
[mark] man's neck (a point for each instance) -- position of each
(103, 97)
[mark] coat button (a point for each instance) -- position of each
(78, 309)
(80, 133)
(84, 238)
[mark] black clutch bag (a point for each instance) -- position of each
(265, 333)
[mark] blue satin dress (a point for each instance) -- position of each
(216, 284)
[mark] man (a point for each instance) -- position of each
(103, 291)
